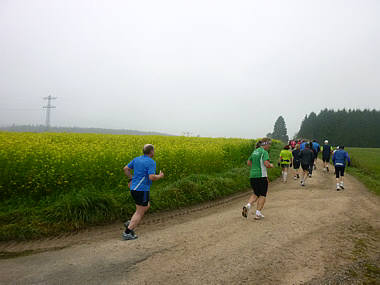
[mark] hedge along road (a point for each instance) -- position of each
(311, 235)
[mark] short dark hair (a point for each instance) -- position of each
(148, 148)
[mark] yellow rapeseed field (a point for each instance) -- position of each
(38, 164)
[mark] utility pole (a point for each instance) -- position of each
(48, 107)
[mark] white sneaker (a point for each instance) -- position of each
(341, 185)
(259, 214)
(337, 187)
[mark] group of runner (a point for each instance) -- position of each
(297, 154)
(303, 155)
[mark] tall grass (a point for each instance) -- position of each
(366, 166)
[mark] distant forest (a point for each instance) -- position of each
(354, 128)
(41, 128)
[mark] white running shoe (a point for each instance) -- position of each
(337, 187)
(341, 186)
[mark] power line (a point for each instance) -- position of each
(19, 109)
(48, 107)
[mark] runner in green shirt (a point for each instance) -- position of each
(286, 158)
(259, 162)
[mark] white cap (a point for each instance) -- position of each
(326, 141)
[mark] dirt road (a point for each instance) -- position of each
(311, 235)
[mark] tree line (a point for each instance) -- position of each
(42, 128)
(354, 128)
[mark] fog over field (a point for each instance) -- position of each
(214, 68)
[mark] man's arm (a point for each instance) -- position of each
(249, 162)
(127, 172)
(155, 177)
(268, 164)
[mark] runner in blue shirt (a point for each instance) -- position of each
(144, 172)
(303, 145)
(316, 150)
(340, 159)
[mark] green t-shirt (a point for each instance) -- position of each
(258, 168)
(286, 154)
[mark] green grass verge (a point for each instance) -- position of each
(24, 218)
(366, 166)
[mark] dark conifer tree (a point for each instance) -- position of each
(279, 131)
(356, 128)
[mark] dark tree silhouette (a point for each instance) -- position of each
(356, 128)
(279, 131)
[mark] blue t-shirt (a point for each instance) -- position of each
(303, 145)
(340, 158)
(316, 147)
(143, 166)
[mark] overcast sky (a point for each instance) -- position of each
(214, 68)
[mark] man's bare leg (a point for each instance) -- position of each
(137, 216)
(260, 203)
(285, 174)
(252, 199)
(305, 174)
(260, 206)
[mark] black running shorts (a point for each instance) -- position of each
(296, 164)
(326, 158)
(141, 197)
(283, 165)
(305, 167)
(339, 171)
(260, 186)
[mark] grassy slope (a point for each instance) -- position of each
(366, 166)
(24, 218)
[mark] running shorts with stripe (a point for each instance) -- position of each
(141, 198)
